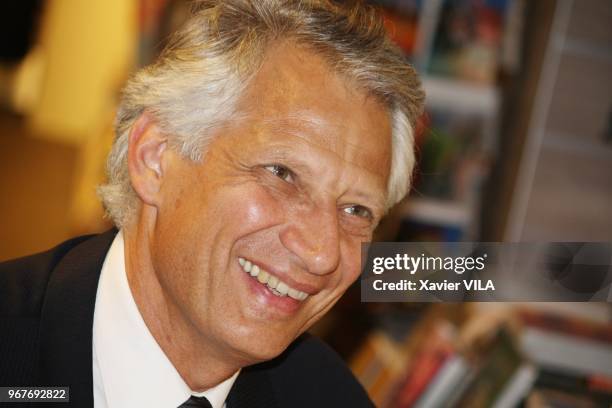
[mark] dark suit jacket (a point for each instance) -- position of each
(46, 320)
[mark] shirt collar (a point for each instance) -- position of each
(133, 368)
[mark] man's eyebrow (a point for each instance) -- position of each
(295, 131)
(278, 153)
(287, 156)
(376, 201)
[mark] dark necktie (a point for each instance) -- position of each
(196, 402)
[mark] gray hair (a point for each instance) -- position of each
(192, 87)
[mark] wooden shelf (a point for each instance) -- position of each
(461, 96)
(439, 212)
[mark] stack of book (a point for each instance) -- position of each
(574, 357)
(528, 358)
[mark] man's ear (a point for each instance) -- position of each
(146, 147)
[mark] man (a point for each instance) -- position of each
(251, 161)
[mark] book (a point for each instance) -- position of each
(564, 324)
(545, 398)
(468, 40)
(378, 365)
(597, 387)
(566, 353)
(450, 379)
(498, 364)
(518, 387)
(433, 356)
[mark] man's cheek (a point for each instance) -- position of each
(344, 277)
(351, 274)
(259, 208)
(351, 254)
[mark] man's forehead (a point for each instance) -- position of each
(290, 74)
(306, 130)
(297, 95)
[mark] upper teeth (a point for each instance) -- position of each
(277, 286)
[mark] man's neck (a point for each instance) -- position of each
(197, 359)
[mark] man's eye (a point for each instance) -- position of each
(280, 172)
(359, 211)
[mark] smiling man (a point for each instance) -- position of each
(251, 161)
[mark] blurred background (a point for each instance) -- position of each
(515, 145)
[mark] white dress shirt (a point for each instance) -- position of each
(129, 367)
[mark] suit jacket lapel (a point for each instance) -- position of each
(252, 389)
(67, 319)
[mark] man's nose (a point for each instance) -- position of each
(313, 236)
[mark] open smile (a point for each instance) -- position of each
(273, 283)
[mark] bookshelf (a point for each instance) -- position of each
(570, 123)
(461, 95)
(498, 355)
(434, 211)
(457, 49)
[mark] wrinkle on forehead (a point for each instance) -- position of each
(296, 97)
(308, 128)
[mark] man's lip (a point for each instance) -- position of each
(283, 276)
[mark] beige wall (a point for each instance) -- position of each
(52, 156)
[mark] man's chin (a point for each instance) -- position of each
(258, 347)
